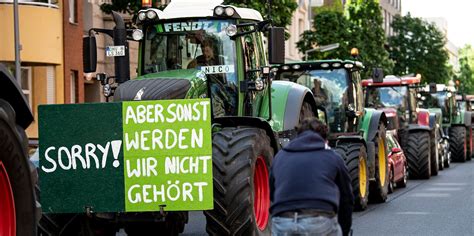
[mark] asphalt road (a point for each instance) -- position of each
(443, 205)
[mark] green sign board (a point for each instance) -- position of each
(126, 157)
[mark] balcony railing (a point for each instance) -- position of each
(42, 3)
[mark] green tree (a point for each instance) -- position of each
(418, 47)
(281, 10)
(466, 75)
(330, 26)
(367, 18)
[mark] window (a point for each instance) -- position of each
(72, 11)
(73, 86)
(26, 82)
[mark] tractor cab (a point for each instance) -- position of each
(396, 96)
(198, 49)
(441, 97)
(335, 85)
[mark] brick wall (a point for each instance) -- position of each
(73, 32)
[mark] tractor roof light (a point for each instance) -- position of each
(151, 15)
(324, 65)
(336, 64)
(219, 11)
(229, 11)
(285, 67)
(296, 67)
(142, 16)
(348, 66)
(354, 52)
(146, 3)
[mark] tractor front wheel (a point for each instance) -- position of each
(241, 160)
(379, 187)
(418, 154)
(355, 155)
(434, 153)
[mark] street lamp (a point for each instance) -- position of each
(323, 48)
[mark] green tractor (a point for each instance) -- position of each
(215, 51)
(439, 97)
(416, 128)
(356, 132)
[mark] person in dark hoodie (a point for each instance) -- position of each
(310, 186)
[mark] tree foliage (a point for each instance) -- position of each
(360, 28)
(466, 65)
(281, 10)
(330, 26)
(367, 18)
(418, 47)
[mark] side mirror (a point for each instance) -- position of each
(377, 75)
(396, 150)
(276, 45)
(433, 88)
(89, 54)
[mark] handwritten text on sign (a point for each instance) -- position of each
(155, 153)
(167, 149)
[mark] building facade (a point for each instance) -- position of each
(73, 72)
(453, 52)
(42, 60)
(390, 9)
(299, 23)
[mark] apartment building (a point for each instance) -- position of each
(42, 44)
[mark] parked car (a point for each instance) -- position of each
(397, 163)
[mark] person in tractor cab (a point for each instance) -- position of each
(310, 186)
(208, 57)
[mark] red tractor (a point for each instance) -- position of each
(416, 128)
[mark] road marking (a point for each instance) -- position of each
(444, 189)
(450, 184)
(412, 213)
(430, 195)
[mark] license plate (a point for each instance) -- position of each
(115, 51)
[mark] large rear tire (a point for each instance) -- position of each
(379, 187)
(18, 208)
(457, 143)
(241, 160)
(355, 155)
(418, 154)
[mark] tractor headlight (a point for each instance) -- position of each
(231, 30)
(137, 35)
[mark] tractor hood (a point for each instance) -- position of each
(174, 84)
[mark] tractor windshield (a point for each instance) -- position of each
(330, 88)
(195, 44)
(437, 100)
(384, 97)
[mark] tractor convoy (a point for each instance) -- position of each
(385, 128)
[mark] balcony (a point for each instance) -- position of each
(40, 24)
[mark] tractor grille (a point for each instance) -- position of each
(152, 89)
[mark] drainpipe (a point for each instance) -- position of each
(17, 42)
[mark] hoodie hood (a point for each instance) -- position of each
(306, 141)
